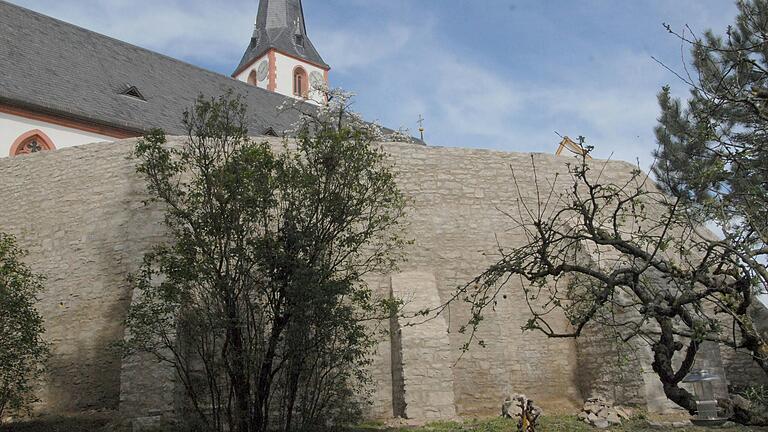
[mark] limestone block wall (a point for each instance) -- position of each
(422, 362)
(79, 212)
(741, 370)
(455, 220)
(609, 370)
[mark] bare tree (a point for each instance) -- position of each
(632, 259)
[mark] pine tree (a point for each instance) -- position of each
(712, 147)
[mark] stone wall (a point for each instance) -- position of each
(79, 212)
(741, 369)
(421, 372)
(609, 370)
(455, 196)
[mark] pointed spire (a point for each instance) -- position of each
(280, 25)
(275, 14)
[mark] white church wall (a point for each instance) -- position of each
(285, 67)
(12, 127)
(243, 76)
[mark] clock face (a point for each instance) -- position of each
(316, 79)
(261, 72)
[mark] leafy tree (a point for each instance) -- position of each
(259, 300)
(712, 147)
(22, 348)
(712, 151)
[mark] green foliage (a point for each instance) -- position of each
(554, 423)
(259, 301)
(22, 348)
(757, 394)
(712, 155)
(712, 147)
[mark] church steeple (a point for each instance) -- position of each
(280, 56)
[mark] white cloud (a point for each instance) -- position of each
(616, 109)
(469, 104)
(473, 99)
(347, 50)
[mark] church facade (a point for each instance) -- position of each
(63, 86)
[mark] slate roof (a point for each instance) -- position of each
(54, 67)
(277, 25)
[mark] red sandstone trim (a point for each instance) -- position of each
(304, 90)
(74, 124)
(272, 77)
(45, 141)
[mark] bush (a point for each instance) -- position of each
(258, 301)
(22, 349)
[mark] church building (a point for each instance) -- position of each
(63, 86)
(280, 57)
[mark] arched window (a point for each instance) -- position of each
(300, 82)
(32, 142)
(253, 78)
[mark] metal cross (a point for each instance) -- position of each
(421, 126)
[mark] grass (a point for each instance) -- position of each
(548, 424)
(59, 424)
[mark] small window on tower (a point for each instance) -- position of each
(300, 40)
(300, 82)
(253, 78)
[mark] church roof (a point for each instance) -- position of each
(278, 24)
(50, 66)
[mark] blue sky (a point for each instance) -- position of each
(498, 74)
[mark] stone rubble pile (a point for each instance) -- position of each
(511, 407)
(522, 409)
(602, 414)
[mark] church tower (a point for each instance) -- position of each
(280, 57)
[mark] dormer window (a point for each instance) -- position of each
(300, 82)
(270, 132)
(299, 40)
(133, 92)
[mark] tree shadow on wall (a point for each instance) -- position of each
(59, 424)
